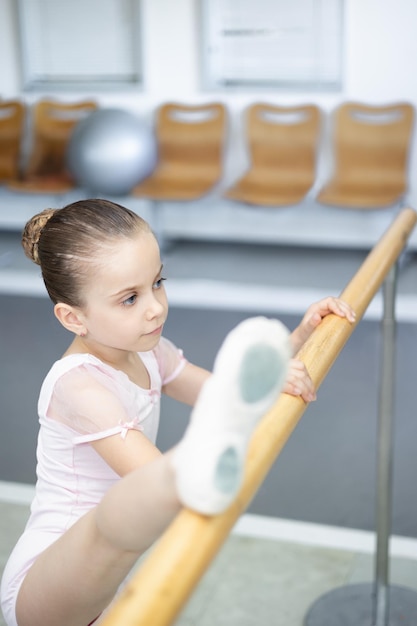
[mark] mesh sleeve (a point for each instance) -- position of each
(91, 402)
(170, 359)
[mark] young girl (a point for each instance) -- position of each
(104, 492)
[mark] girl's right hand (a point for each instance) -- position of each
(298, 381)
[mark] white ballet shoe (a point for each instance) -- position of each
(248, 375)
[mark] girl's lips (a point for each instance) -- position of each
(157, 331)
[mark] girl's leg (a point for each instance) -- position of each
(76, 578)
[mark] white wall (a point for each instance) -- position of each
(380, 60)
(9, 65)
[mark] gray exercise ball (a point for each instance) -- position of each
(110, 151)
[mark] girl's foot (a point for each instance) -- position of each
(248, 374)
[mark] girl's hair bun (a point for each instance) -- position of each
(32, 233)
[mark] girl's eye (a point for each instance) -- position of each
(129, 301)
(158, 283)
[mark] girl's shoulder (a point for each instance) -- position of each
(75, 371)
(74, 361)
(92, 398)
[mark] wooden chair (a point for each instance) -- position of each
(371, 147)
(190, 150)
(282, 144)
(52, 124)
(12, 119)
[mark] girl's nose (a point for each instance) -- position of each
(154, 309)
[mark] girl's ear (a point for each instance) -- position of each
(70, 317)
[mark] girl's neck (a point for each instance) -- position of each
(128, 362)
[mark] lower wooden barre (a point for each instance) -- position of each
(160, 588)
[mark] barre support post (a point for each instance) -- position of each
(377, 604)
(385, 452)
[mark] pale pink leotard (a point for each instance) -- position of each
(81, 400)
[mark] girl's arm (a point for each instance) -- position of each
(125, 455)
(187, 385)
(128, 453)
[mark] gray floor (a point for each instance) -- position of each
(256, 582)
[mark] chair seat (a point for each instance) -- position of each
(42, 184)
(171, 184)
(8, 170)
(274, 191)
(360, 196)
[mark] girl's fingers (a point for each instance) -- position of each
(340, 307)
(298, 381)
(330, 305)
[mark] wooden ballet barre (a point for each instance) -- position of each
(159, 589)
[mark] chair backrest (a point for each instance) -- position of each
(12, 119)
(191, 137)
(371, 144)
(283, 140)
(52, 125)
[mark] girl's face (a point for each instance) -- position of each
(126, 304)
